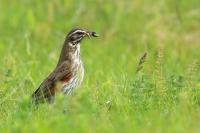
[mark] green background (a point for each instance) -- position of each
(164, 96)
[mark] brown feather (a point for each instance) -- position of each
(47, 89)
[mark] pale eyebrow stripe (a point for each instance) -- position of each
(76, 32)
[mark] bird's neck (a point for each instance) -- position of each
(69, 54)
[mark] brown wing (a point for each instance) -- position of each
(47, 89)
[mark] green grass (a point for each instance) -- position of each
(164, 96)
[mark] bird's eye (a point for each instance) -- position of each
(79, 33)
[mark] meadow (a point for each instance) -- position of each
(121, 92)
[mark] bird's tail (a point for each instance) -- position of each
(42, 96)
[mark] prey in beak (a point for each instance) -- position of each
(91, 34)
(94, 34)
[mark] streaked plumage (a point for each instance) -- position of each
(69, 71)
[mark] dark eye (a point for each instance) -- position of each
(79, 33)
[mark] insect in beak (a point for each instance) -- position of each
(91, 34)
(94, 34)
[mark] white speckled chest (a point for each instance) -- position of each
(78, 74)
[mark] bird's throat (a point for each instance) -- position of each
(69, 54)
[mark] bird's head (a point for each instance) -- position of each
(75, 36)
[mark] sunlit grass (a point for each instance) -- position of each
(163, 96)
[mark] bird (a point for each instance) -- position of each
(69, 71)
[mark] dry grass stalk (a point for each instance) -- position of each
(141, 62)
(191, 73)
(159, 79)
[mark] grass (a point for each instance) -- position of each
(162, 96)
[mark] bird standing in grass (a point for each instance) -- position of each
(69, 71)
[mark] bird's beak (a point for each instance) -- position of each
(91, 34)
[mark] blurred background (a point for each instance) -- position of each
(32, 34)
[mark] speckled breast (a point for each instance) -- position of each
(76, 79)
